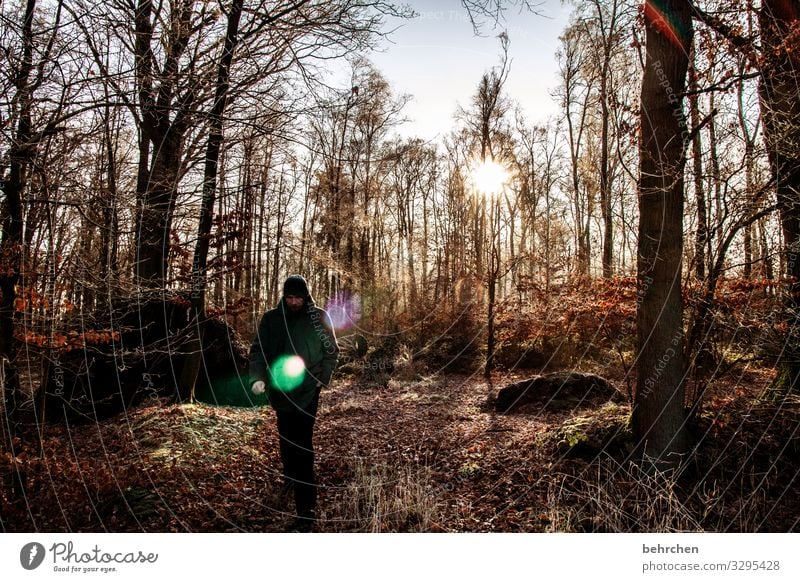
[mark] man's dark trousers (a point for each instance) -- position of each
(296, 432)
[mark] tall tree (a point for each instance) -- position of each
(485, 122)
(779, 21)
(577, 95)
(29, 65)
(200, 261)
(169, 94)
(659, 416)
(701, 235)
(607, 18)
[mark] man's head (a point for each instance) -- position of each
(295, 292)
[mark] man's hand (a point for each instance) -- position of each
(258, 387)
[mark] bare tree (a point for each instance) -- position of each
(576, 94)
(30, 64)
(538, 169)
(200, 260)
(607, 30)
(494, 11)
(485, 122)
(659, 416)
(776, 61)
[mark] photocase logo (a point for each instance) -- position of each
(31, 556)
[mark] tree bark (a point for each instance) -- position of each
(701, 235)
(780, 39)
(20, 158)
(211, 170)
(659, 414)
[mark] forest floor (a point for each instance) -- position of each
(422, 455)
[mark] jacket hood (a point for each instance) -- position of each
(296, 285)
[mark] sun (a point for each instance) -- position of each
(489, 177)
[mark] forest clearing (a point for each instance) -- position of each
(565, 299)
(405, 445)
(421, 455)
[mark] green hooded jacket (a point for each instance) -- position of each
(309, 334)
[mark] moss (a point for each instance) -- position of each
(606, 430)
(469, 470)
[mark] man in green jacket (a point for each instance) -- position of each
(292, 358)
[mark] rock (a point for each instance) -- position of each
(589, 437)
(98, 380)
(557, 390)
(142, 363)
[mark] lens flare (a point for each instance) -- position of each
(344, 311)
(666, 23)
(288, 372)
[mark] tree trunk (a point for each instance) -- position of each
(157, 209)
(192, 364)
(658, 412)
(701, 235)
(780, 39)
(766, 255)
(605, 189)
(20, 158)
(605, 146)
(110, 226)
(159, 168)
(493, 276)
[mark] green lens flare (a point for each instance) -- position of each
(288, 372)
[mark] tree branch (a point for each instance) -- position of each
(744, 43)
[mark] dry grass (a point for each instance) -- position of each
(389, 498)
(617, 499)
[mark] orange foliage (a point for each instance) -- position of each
(30, 299)
(71, 341)
(602, 312)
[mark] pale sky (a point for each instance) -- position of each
(438, 60)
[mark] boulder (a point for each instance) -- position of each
(557, 390)
(141, 361)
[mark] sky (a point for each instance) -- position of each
(438, 59)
